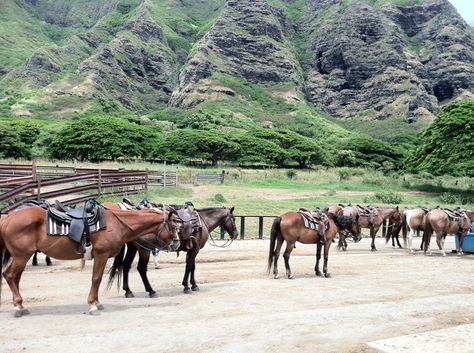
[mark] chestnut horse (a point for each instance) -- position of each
(22, 232)
(377, 220)
(290, 227)
(438, 221)
(211, 218)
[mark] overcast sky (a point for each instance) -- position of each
(465, 9)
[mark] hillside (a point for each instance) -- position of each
(246, 63)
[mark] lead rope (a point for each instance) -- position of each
(213, 242)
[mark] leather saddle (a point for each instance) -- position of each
(191, 224)
(457, 215)
(317, 220)
(367, 210)
(79, 220)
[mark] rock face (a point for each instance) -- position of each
(394, 61)
(247, 41)
(351, 58)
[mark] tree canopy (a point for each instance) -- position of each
(448, 144)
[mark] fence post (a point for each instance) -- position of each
(242, 227)
(176, 179)
(99, 183)
(164, 174)
(38, 189)
(260, 227)
(33, 170)
(146, 181)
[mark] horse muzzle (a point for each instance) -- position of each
(175, 244)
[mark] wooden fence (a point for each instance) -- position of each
(258, 226)
(20, 183)
(209, 178)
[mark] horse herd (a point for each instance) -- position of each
(148, 228)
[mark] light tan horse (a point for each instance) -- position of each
(290, 227)
(438, 221)
(23, 232)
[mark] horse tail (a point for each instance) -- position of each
(275, 231)
(117, 269)
(4, 257)
(404, 228)
(427, 233)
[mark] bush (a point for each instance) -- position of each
(447, 197)
(385, 197)
(291, 174)
(219, 198)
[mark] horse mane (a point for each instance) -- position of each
(209, 209)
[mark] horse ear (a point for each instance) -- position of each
(232, 209)
(397, 208)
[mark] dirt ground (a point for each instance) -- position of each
(387, 301)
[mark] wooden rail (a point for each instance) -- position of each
(20, 183)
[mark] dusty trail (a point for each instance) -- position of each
(371, 297)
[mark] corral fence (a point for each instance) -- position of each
(209, 178)
(20, 183)
(251, 226)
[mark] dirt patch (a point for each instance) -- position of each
(371, 296)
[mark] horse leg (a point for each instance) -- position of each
(326, 258)
(276, 256)
(410, 241)
(48, 261)
(398, 242)
(126, 265)
(318, 257)
(12, 275)
(372, 234)
(440, 242)
(34, 262)
(97, 272)
(286, 256)
(187, 270)
(194, 286)
(143, 259)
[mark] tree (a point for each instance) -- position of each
(102, 138)
(11, 145)
(448, 144)
(187, 144)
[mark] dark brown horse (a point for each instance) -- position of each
(347, 221)
(23, 232)
(290, 227)
(211, 218)
(438, 221)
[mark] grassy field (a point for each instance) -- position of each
(271, 192)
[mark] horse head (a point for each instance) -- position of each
(229, 223)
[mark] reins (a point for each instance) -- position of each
(212, 240)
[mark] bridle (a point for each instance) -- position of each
(149, 246)
(212, 240)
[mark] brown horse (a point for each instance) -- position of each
(290, 227)
(438, 221)
(23, 232)
(211, 218)
(374, 222)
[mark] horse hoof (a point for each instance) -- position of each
(290, 277)
(34, 264)
(94, 312)
(344, 249)
(373, 249)
(187, 290)
(21, 312)
(275, 276)
(195, 288)
(153, 294)
(49, 264)
(129, 295)
(444, 254)
(100, 306)
(318, 273)
(327, 275)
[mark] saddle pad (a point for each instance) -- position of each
(59, 228)
(308, 224)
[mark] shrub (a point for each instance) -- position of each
(388, 197)
(291, 174)
(219, 198)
